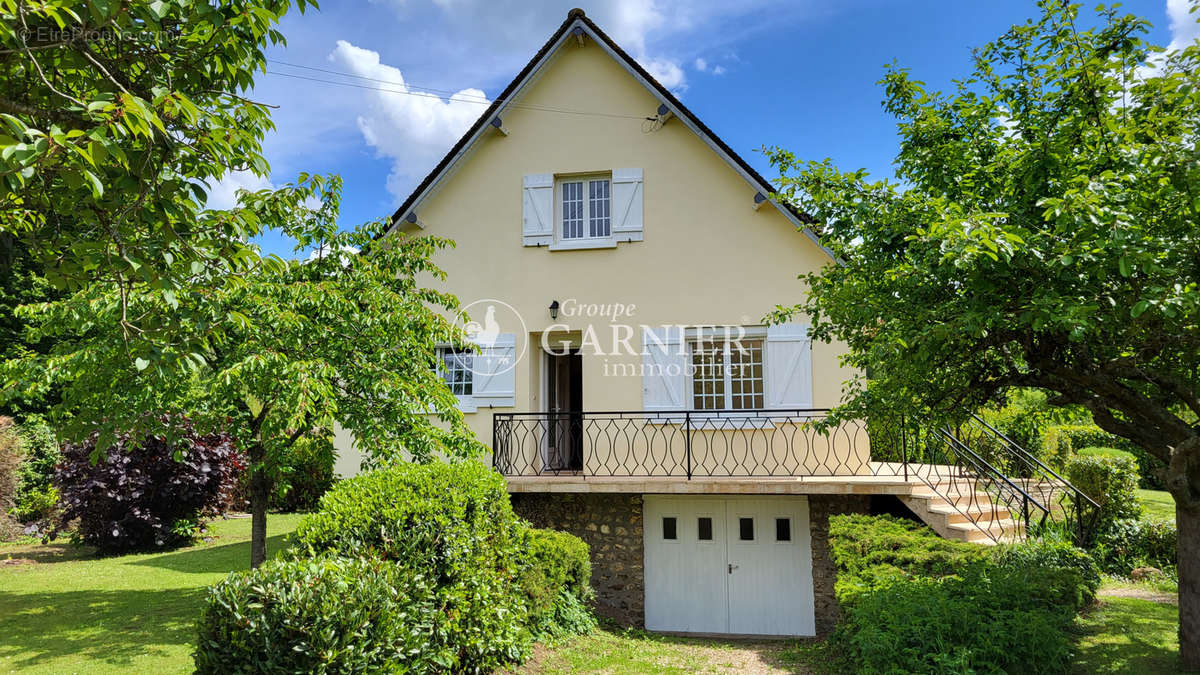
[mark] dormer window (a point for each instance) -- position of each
(584, 207)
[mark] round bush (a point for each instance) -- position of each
(1111, 481)
(322, 615)
(145, 494)
(1064, 573)
(556, 580)
(454, 525)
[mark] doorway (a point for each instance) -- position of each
(564, 407)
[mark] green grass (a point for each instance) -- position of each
(63, 610)
(1128, 635)
(1157, 504)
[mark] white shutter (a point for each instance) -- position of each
(537, 209)
(627, 204)
(664, 369)
(789, 367)
(493, 370)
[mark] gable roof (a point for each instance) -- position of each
(577, 24)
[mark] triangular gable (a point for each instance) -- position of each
(576, 25)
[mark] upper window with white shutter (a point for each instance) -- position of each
(580, 211)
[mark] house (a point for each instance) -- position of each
(615, 260)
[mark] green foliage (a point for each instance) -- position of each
(326, 614)
(1131, 543)
(873, 550)
(21, 283)
(10, 461)
(1106, 452)
(451, 523)
(37, 498)
(304, 473)
(913, 604)
(1077, 437)
(556, 579)
(1111, 481)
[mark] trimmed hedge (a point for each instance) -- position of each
(1068, 439)
(323, 615)
(914, 602)
(1111, 481)
(557, 584)
(450, 523)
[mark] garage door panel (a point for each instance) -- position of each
(728, 565)
(685, 575)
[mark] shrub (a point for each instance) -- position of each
(913, 602)
(1130, 543)
(871, 550)
(1111, 481)
(146, 494)
(305, 474)
(1066, 573)
(10, 461)
(325, 614)
(37, 498)
(1079, 436)
(450, 523)
(556, 580)
(1105, 452)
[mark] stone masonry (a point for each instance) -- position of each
(611, 524)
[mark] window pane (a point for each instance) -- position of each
(746, 529)
(668, 528)
(708, 375)
(783, 529)
(454, 365)
(572, 210)
(745, 372)
(599, 208)
(705, 527)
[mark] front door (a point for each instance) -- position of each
(564, 403)
(738, 565)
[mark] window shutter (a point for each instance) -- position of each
(537, 209)
(664, 369)
(627, 204)
(789, 367)
(493, 372)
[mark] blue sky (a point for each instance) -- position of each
(801, 75)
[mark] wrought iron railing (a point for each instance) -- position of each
(686, 444)
(982, 476)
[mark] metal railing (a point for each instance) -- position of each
(984, 477)
(685, 444)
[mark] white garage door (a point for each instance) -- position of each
(739, 565)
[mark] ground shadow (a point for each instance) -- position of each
(109, 626)
(212, 559)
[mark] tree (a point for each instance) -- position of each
(1044, 234)
(341, 338)
(20, 284)
(115, 119)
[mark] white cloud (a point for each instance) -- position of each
(718, 70)
(414, 129)
(668, 73)
(1184, 28)
(701, 65)
(223, 194)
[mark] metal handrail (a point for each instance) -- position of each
(1016, 447)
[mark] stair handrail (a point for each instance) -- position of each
(1014, 446)
(959, 446)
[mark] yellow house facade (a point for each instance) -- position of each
(616, 260)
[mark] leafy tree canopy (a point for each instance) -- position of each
(1044, 233)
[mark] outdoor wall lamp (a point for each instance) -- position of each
(554, 309)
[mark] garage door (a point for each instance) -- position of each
(740, 565)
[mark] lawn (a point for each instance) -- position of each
(63, 610)
(1157, 504)
(1128, 634)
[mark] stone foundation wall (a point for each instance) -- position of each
(820, 507)
(611, 524)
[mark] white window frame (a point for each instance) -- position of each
(563, 243)
(466, 402)
(713, 336)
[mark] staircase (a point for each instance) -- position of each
(964, 514)
(973, 483)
